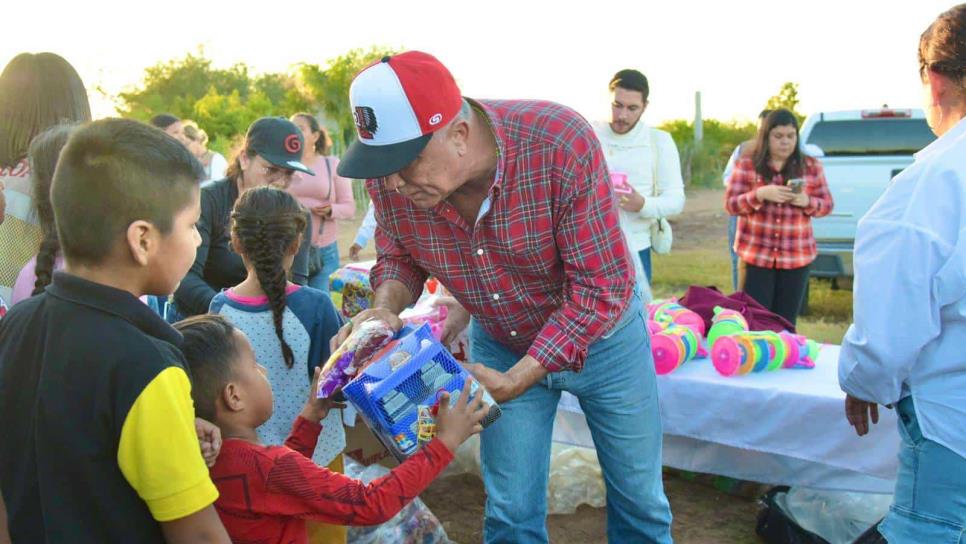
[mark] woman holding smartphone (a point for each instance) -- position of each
(775, 192)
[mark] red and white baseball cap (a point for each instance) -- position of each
(397, 102)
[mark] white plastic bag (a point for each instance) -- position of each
(837, 516)
(414, 524)
(575, 479)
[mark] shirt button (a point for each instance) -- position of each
(479, 252)
(513, 333)
(496, 296)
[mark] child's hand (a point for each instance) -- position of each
(462, 421)
(209, 436)
(316, 409)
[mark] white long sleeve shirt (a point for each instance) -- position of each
(368, 227)
(632, 154)
(909, 335)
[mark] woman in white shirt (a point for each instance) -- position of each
(197, 142)
(905, 349)
(647, 156)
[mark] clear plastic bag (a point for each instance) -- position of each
(414, 524)
(575, 479)
(837, 516)
(575, 476)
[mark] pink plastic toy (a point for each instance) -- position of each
(669, 311)
(673, 345)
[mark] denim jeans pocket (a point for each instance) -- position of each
(630, 314)
(904, 525)
(908, 423)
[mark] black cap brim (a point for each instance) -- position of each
(285, 162)
(363, 161)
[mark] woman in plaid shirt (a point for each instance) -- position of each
(775, 192)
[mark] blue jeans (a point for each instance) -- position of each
(645, 256)
(930, 500)
(732, 233)
(617, 390)
(327, 262)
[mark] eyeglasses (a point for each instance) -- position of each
(277, 176)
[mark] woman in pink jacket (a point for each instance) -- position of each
(326, 195)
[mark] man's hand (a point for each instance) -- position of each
(457, 319)
(209, 436)
(778, 194)
(506, 386)
(316, 409)
(632, 202)
(858, 411)
(381, 314)
(499, 384)
(354, 251)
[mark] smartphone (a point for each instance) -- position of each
(796, 185)
(619, 181)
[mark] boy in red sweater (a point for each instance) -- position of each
(268, 492)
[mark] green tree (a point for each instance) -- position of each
(787, 98)
(223, 101)
(702, 165)
(329, 87)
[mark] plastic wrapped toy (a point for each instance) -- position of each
(352, 356)
(669, 311)
(726, 322)
(674, 346)
(349, 288)
(760, 351)
(400, 389)
(414, 524)
(435, 316)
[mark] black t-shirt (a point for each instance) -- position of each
(216, 266)
(74, 362)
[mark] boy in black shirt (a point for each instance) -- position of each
(99, 429)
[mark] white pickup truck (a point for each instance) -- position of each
(861, 152)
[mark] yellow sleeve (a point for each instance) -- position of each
(159, 453)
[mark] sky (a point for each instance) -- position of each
(844, 54)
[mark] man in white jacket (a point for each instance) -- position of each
(649, 159)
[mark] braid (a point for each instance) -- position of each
(46, 257)
(43, 154)
(267, 258)
(267, 223)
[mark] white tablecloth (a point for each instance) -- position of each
(784, 427)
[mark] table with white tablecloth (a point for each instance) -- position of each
(782, 427)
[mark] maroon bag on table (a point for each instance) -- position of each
(702, 301)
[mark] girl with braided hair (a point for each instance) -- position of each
(42, 155)
(289, 326)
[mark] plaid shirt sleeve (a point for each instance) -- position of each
(595, 256)
(740, 197)
(393, 260)
(819, 197)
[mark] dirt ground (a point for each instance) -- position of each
(702, 513)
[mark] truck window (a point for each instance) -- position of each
(871, 136)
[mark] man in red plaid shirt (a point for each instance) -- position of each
(508, 204)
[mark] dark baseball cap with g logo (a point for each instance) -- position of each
(278, 141)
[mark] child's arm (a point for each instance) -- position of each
(160, 457)
(201, 527)
(302, 489)
(306, 428)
